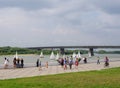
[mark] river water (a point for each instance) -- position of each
(30, 60)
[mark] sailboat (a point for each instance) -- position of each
(16, 55)
(89, 54)
(78, 55)
(74, 55)
(57, 56)
(52, 56)
(41, 55)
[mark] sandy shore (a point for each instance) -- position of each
(34, 71)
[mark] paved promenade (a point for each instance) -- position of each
(34, 71)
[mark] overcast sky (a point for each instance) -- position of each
(33, 23)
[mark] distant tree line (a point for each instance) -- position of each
(12, 50)
(107, 52)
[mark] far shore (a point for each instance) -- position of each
(18, 54)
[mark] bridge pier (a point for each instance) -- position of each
(91, 51)
(62, 51)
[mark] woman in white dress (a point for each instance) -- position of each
(6, 63)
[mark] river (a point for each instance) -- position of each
(30, 60)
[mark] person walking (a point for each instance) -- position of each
(65, 64)
(106, 61)
(22, 63)
(98, 60)
(18, 63)
(76, 63)
(40, 66)
(37, 63)
(14, 63)
(46, 64)
(71, 62)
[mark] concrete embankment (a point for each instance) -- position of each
(34, 71)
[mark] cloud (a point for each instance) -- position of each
(59, 22)
(109, 6)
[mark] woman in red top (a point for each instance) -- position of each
(76, 63)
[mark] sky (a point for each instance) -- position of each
(34, 23)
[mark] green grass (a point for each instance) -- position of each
(108, 78)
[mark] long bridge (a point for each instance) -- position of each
(91, 48)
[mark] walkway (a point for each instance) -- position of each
(34, 71)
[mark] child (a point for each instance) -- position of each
(47, 64)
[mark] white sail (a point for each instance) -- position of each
(89, 54)
(41, 55)
(57, 56)
(74, 55)
(78, 55)
(52, 56)
(16, 55)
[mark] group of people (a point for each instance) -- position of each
(106, 61)
(69, 61)
(39, 64)
(17, 63)
(64, 62)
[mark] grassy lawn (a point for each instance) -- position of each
(108, 78)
